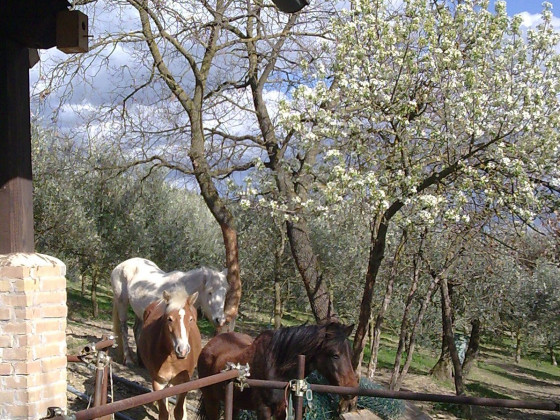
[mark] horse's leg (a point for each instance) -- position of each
(163, 412)
(264, 412)
(122, 326)
(118, 334)
(210, 406)
(137, 330)
(280, 413)
(179, 412)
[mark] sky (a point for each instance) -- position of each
(86, 98)
(530, 6)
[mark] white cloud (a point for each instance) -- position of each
(531, 20)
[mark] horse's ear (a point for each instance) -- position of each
(192, 298)
(348, 330)
(166, 295)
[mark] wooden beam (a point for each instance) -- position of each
(16, 191)
(31, 23)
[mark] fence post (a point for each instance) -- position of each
(228, 402)
(101, 378)
(300, 377)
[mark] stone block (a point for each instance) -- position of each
(360, 415)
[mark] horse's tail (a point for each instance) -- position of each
(117, 332)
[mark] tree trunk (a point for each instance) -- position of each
(290, 184)
(372, 366)
(397, 379)
(450, 338)
(229, 234)
(443, 370)
(404, 322)
(310, 270)
(473, 348)
(83, 280)
(278, 310)
(518, 346)
(197, 153)
(376, 255)
(277, 304)
(224, 218)
(380, 227)
(552, 355)
(94, 303)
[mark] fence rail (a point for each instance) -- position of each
(230, 375)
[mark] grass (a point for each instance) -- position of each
(80, 306)
(421, 363)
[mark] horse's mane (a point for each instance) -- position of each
(216, 278)
(176, 301)
(287, 343)
(209, 275)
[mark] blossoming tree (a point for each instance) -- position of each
(444, 106)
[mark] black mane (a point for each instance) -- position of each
(287, 343)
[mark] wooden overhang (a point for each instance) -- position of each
(25, 25)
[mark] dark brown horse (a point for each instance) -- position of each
(169, 344)
(273, 356)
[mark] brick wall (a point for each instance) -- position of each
(32, 335)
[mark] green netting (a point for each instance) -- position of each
(325, 406)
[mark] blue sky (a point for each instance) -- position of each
(531, 6)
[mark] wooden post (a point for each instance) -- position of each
(16, 191)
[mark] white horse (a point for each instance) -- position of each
(139, 282)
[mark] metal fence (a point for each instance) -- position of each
(103, 410)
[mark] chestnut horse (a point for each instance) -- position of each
(169, 344)
(273, 356)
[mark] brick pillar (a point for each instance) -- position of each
(32, 335)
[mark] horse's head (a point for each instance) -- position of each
(180, 316)
(213, 296)
(334, 360)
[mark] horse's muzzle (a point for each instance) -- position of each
(182, 351)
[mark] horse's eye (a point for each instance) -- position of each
(169, 319)
(191, 320)
(335, 356)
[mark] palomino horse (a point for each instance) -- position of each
(169, 344)
(273, 356)
(139, 282)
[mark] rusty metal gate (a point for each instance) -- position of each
(103, 410)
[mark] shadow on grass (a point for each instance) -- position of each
(496, 352)
(479, 389)
(515, 373)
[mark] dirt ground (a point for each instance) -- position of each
(520, 384)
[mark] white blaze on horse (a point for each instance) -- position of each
(138, 282)
(169, 345)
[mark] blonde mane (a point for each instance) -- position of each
(175, 300)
